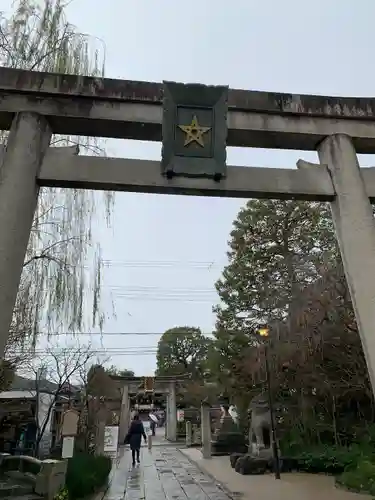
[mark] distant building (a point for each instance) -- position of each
(18, 409)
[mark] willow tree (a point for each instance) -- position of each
(61, 283)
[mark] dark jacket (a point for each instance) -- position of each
(134, 435)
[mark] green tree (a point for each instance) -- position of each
(276, 250)
(122, 372)
(57, 290)
(182, 350)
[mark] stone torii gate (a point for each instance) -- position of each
(195, 123)
(165, 385)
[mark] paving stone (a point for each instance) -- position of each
(164, 474)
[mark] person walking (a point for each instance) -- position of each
(153, 422)
(134, 437)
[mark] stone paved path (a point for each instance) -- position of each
(164, 474)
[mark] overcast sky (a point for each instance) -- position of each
(166, 252)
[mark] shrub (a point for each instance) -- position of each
(360, 478)
(329, 460)
(62, 495)
(86, 474)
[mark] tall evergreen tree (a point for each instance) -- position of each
(276, 249)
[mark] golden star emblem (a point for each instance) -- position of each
(194, 132)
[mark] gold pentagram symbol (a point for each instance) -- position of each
(194, 132)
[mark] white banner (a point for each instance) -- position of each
(180, 415)
(147, 427)
(67, 447)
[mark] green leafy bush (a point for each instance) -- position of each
(353, 465)
(360, 478)
(330, 460)
(63, 494)
(86, 474)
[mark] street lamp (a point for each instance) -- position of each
(264, 332)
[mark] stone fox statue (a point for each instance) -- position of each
(260, 426)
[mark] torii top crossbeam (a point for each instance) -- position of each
(77, 105)
(133, 110)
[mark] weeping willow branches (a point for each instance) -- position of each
(61, 283)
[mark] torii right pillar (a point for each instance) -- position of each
(355, 231)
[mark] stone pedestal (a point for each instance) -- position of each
(189, 433)
(227, 437)
(51, 478)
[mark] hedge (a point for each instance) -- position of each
(86, 474)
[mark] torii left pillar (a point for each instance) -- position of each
(171, 413)
(28, 142)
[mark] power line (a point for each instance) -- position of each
(107, 334)
(156, 293)
(123, 350)
(129, 350)
(104, 334)
(85, 347)
(164, 299)
(111, 351)
(99, 353)
(158, 289)
(164, 264)
(144, 297)
(159, 294)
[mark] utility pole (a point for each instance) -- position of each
(264, 332)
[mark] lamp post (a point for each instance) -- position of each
(264, 332)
